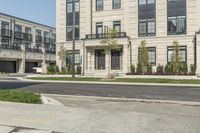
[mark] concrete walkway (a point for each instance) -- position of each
(93, 115)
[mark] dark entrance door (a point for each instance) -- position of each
(29, 66)
(8, 66)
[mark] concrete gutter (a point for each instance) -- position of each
(108, 83)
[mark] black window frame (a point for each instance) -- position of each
(114, 5)
(176, 9)
(152, 49)
(102, 5)
(99, 65)
(146, 14)
(117, 23)
(183, 48)
(119, 64)
(69, 56)
(69, 22)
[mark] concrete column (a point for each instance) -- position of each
(33, 35)
(22, 61)
(125, 58)
(198, 54)
(12, 27)
(83, 55)
(44, 64)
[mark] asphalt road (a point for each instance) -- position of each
(101, 90)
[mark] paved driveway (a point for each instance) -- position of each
(88, 115)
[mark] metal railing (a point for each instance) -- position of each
(6, 32)
(10, 47)
(23, 36)
(105, 35)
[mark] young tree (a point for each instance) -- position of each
(110, 43)
(175, 58)
(62, 54)
(143, 57)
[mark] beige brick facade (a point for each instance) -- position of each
(128, 15)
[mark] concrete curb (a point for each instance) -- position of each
(111, 83)
(128, 99)
(50, 101)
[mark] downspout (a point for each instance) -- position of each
(195, 50)
(83, 59)
(91, 15)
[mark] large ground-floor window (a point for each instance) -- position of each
(99, 59)
(152, 55)
(116, 59)
(182, 54)
(69, 59)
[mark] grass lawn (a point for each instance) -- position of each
(128, 80)
(19, 96)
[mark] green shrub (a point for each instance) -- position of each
(52, 69)
(160, 69)
(183, 68)
(132, 69)
(63, 72)
(193, 69)
(139, 69)
(149, 69)
(168, 69)
(78, 70)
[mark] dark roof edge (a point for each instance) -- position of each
(27, 20)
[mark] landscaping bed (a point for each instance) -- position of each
(19, 96)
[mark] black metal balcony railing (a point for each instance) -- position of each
(6, 32)
(38, 39)
(27, 37)
(51, 51)
(23, 36)
(10, 47)
(105, 35)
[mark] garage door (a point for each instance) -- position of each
(29, 67)
(8, 66)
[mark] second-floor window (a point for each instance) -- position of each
(70, 19)
(116, 4)
(99, 5)
(146, 18)
(18, 28)
(176, 13)
(28, 30)
(4, 25)
(117, 26)
(99, 28)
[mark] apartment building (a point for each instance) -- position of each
(158, 22)
(25, 44)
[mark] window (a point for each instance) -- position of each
(5, 41)
(182, 54)
(99, 59)
(99, 30)
(116, 59)
(69, 59)
(144, 2)
(18, 28)
(116, 4)
(5, 25)
(99, 5)
(117, 26)
(147, 27)
(146, 21)
(70, 19)
(152, 55)
(27, 30)
(176, 12)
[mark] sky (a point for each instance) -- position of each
(41, 11)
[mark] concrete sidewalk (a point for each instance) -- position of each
(88, 115)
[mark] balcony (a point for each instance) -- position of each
(23, 36)
(11, 47)
(46, 40)
(38, 39)
(6, 33)
(104, 35)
